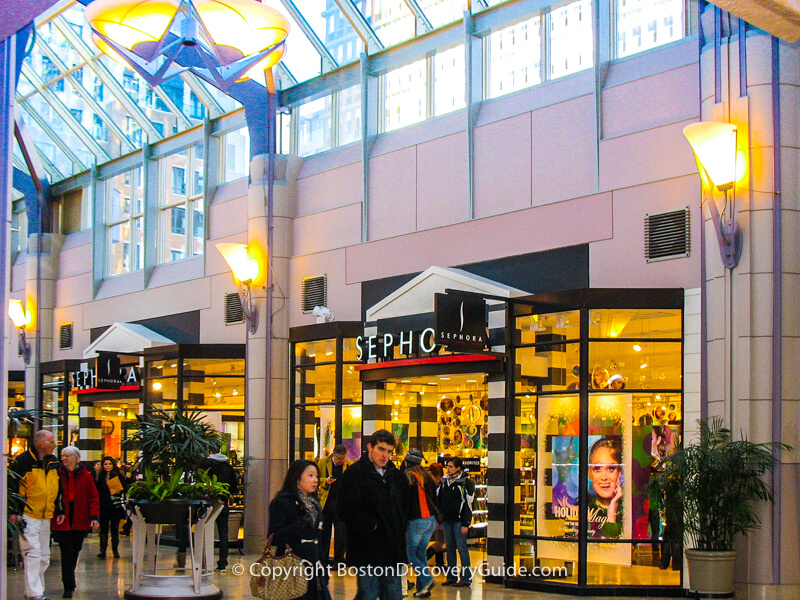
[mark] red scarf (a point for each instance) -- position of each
(423, 499)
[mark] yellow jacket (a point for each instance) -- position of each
(38, 483)
(325, 466)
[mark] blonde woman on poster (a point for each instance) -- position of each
(605, 494)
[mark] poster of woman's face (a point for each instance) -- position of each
(606, 483)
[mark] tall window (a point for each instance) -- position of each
(570, 29)
(405, 95)
(514, 57)
(644, 25)
(124, 223)
(181, 205)
(314, 126)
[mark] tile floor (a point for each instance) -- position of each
(108, 579)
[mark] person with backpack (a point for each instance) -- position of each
(455, 494)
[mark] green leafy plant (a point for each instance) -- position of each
(152, 489)
(716, 481)
(171, 441)
(16, 506)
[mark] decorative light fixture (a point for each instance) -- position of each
(221, 41)
(715, 149)
(21, 319)
(245, 270)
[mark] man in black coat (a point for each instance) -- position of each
(373, 501)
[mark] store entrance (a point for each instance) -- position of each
(444, 415)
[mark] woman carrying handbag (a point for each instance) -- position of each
(295, 521)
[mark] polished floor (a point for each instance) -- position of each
(107, 579)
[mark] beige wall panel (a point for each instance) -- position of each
(652, 101)
(329, 189)
(81, 337)
(653, 155)
(73, 291)
(442, 181)
(393, 194)
(166, 300)
(568, 223)
(75, 257)
(503, 166)
(630, 207)
(228, 218)
(563, 151)
(344, 300)
(327, 230)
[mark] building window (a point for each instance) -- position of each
(314, 122)
(124, 223)
(179, 180)
(404, 96)
(181, 229)
(198, 109)
(662, 21)
(99, 131)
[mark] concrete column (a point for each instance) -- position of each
(267, 404)
(43, 295)
(741, 302)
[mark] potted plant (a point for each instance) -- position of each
(709, 490)
(172, 447)
(169, 500)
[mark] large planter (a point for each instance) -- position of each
(711, 572)
(154, 581)
(172, 512)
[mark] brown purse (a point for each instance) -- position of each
(279, 577)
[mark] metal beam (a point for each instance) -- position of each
(359, 22)
(34, 114)
(66, 116)
(328, 62)
(422, 24)
(107, 78)
(87, 97)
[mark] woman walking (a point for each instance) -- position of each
(421, 520)
(110, 486)
(77, 511)
(295, 519)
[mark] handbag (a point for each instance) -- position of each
(279, 577)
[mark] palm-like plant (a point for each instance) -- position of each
(171, 441)
(716, 482)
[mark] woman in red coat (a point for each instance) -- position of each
(77, 511)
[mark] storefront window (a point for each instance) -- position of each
(592, 521)
(326, 391)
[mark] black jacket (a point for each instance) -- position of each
(292, 524)
(224, 473)
(375, 509)
(455, 499)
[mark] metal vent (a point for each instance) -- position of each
(315, 292)
(233, 309)
(65, 336)
(666, 235)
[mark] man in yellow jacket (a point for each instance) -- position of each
(38, 484)
(330, 470)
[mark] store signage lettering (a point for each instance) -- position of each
(563, 509)
(86, 378)
(408, 342)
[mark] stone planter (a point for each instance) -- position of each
(711, 572)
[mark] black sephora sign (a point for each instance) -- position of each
(461, 322)
(109, 372)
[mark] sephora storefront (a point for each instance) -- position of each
(560, 405)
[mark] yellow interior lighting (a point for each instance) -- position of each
(19, 316)
(244, 267)
(714, 146)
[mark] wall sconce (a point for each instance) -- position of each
(245, 271)
(714, 146)
(21, 319)
(221, 41)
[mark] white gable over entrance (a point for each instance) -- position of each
(416, 296)
(126, 337)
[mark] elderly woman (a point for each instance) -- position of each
(295, 519)
(76, 512)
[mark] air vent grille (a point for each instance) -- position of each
(667, 235)
(233, 309)
(65, 336)
(314, 292)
